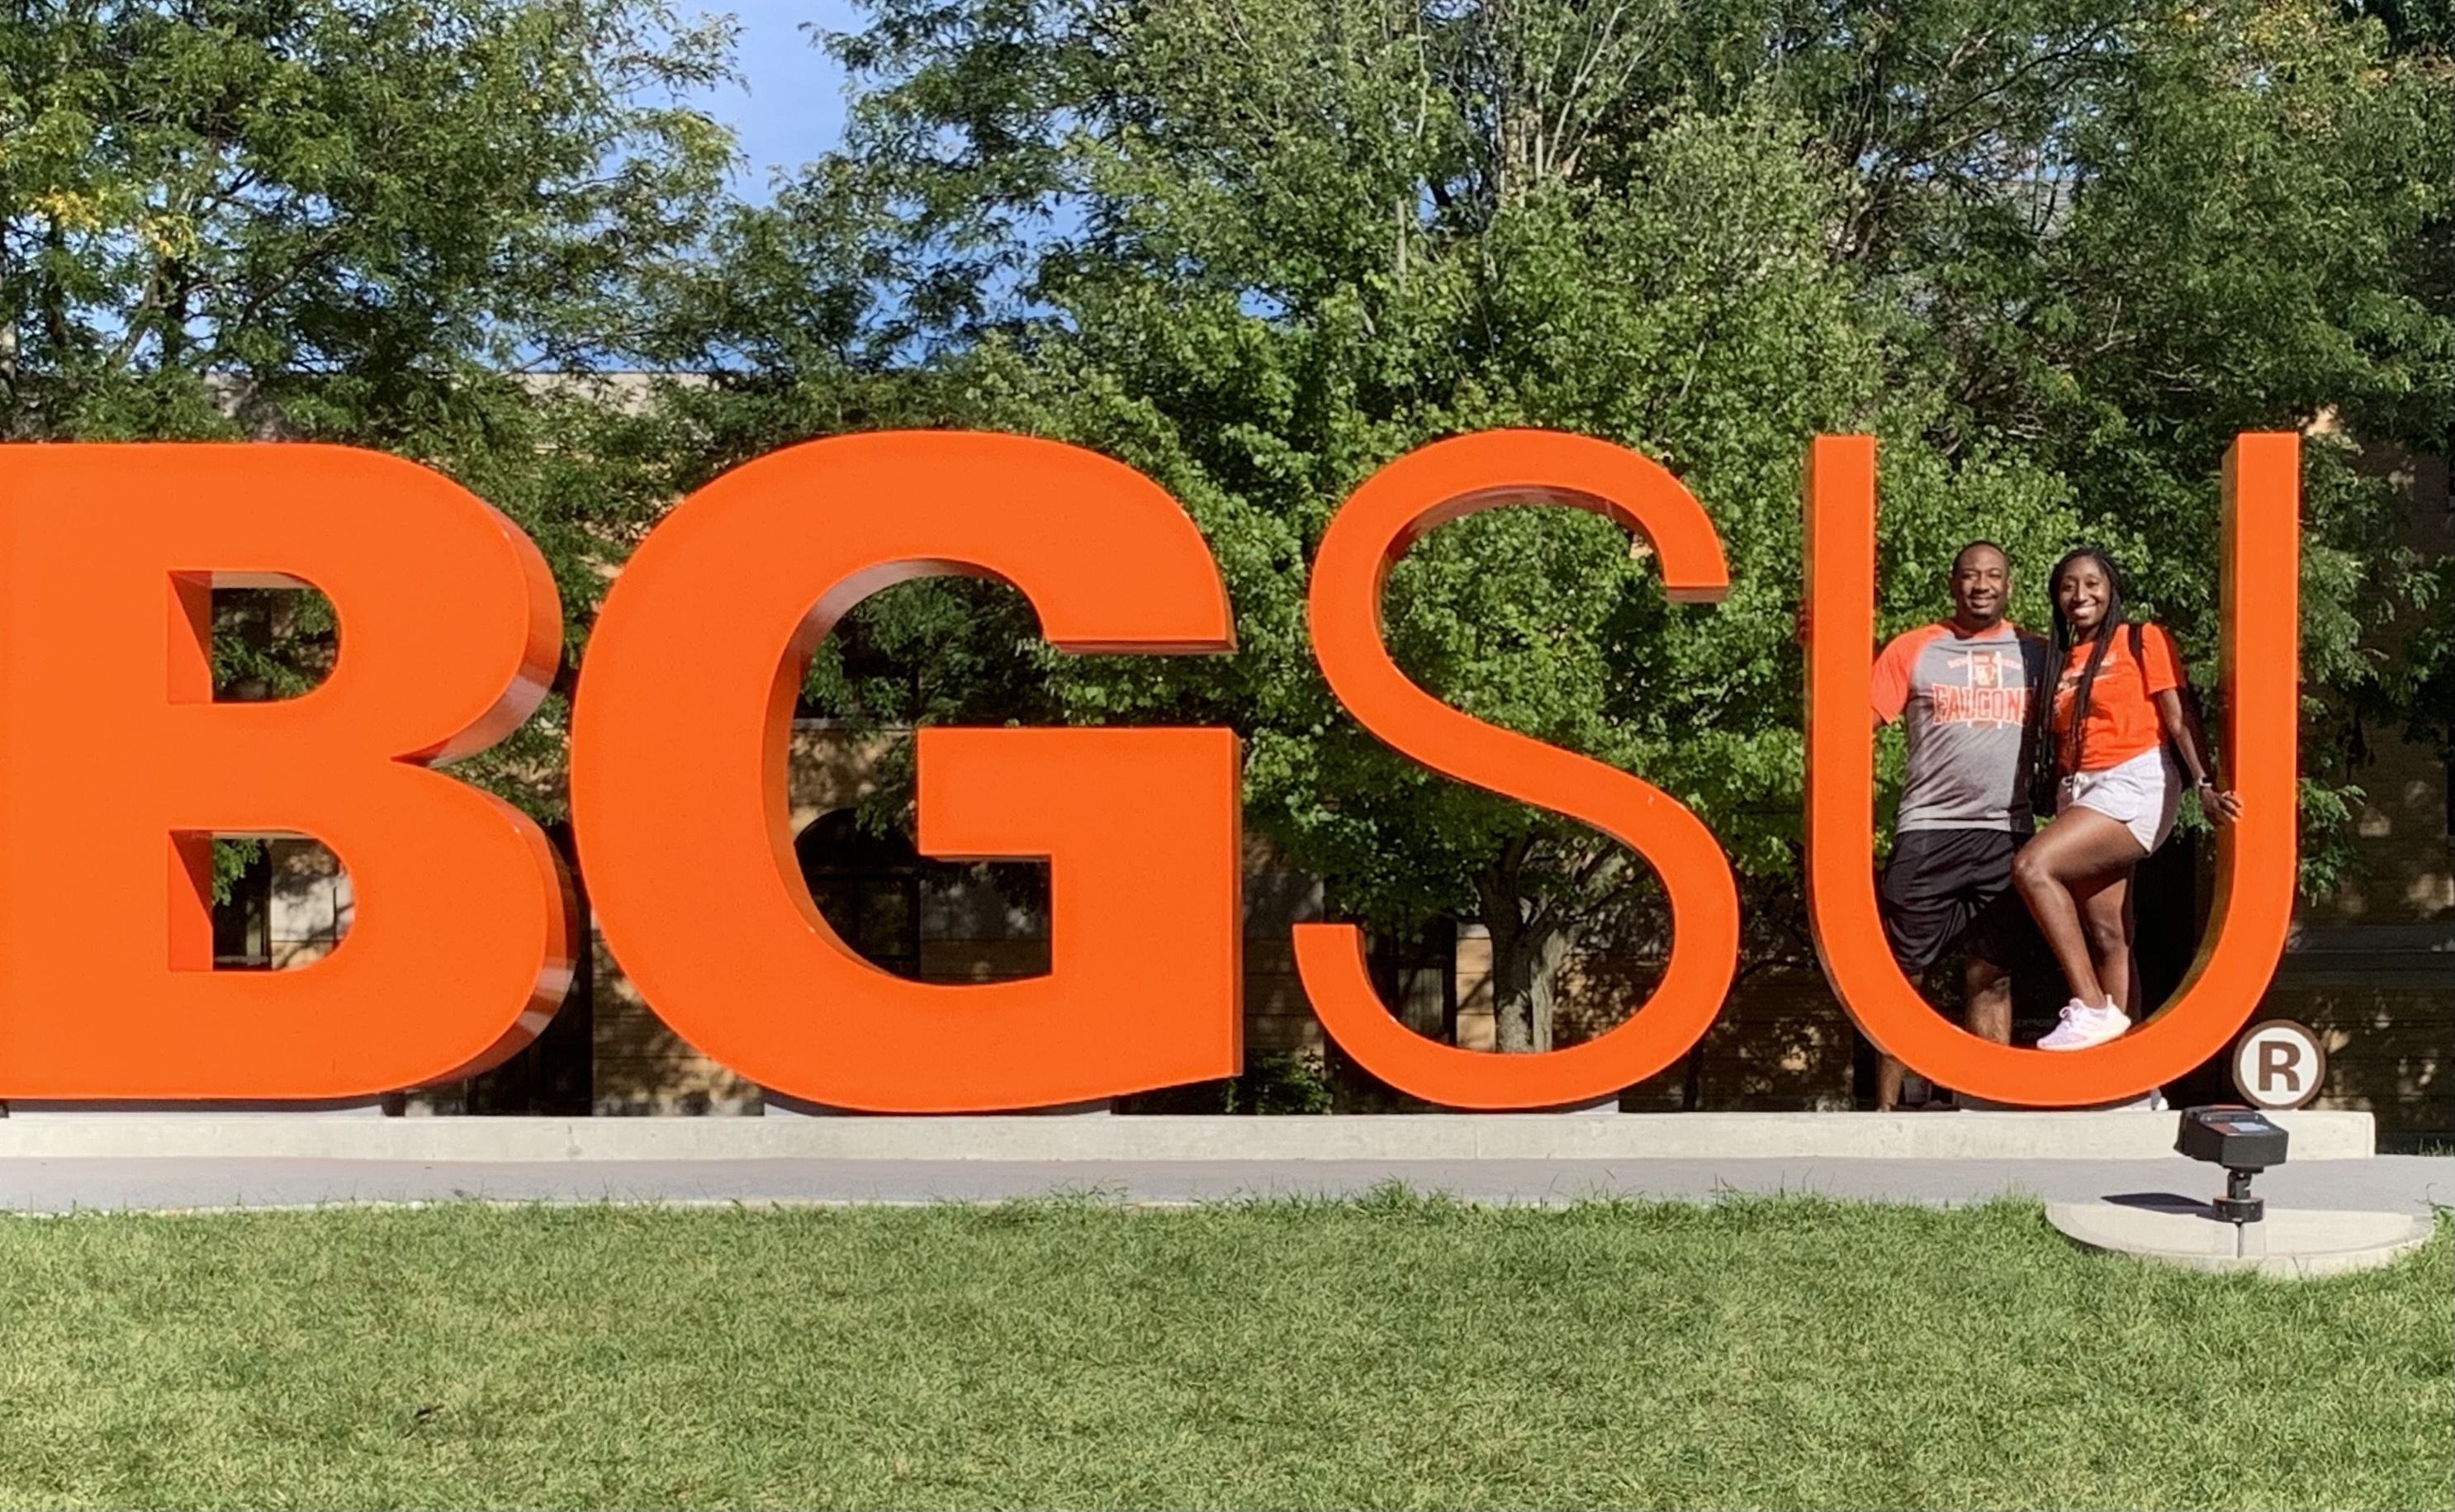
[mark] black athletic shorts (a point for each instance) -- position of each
(1945, 886)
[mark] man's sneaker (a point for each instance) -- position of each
(2083, 1026)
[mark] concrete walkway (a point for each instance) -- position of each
(60, 1184)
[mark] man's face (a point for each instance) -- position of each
(1982, 585)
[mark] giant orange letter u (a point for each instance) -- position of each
(678, 789)
(2255, 856)
(1395, 507)
(117, 768)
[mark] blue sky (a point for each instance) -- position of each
(792, 108)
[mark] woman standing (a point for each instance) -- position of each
(2106, 732)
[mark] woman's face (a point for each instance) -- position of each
(2081, 592)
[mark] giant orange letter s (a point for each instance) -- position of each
(678, 787)
(2255, 857)
(1396, 506)
(117, 767)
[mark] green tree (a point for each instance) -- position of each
(2054, 254)
(362, 222)
(2128, 234)
(1278, 244)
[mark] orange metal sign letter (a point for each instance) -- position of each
(1395, 507)
(2255, 856)
(678, 789)
(117, 767)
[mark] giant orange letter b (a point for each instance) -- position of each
(117, 767)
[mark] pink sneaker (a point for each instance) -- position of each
(2083, 1026)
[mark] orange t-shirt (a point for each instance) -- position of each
(2121, 715)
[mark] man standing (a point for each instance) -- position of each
(1963, 686)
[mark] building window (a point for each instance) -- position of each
(867, 887)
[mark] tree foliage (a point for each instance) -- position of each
(2055, 253)
(356, 221)
(347, 210)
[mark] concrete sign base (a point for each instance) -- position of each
(2128, 1135)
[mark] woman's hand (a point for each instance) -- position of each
(2222, 807)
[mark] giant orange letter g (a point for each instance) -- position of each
(678, 781)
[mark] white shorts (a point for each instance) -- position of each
(2141, 795)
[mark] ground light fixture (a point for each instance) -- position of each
(2235, 1232)
(2244, 1142)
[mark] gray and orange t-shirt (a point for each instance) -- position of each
(1966, 703)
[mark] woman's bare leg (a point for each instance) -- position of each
(2131, 934)
(2105, 919)
(2079, 852)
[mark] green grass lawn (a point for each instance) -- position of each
(1394, 1352)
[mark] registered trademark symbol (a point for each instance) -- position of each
(2278, 1064)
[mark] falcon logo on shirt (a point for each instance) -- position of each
(1980, 697)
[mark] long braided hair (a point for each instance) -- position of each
(2041, 711)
